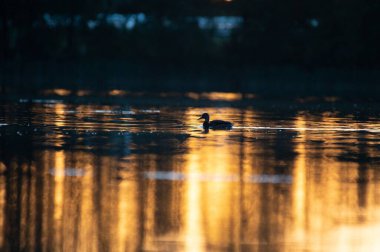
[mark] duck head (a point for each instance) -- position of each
(204, 116)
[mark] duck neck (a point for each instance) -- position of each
(206, 123)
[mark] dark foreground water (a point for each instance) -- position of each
(138, 173)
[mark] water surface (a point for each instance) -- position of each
(138, 173)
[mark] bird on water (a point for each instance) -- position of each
(215, 124)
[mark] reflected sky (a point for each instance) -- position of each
(145, 176)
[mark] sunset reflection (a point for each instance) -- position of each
(194, 233)
(299, 184)
(98, 182)
(216, 96)
(59, 178)
(210, 204)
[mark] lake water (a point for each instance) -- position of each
(136, 172)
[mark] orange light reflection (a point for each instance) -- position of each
(79, 199)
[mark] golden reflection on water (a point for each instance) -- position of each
(299, 185)
(59, 168)
(117, 92)
(57, 91)
(217, 96)
(192, 208)
(212, 208)
(68, 199)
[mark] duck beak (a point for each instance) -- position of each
(200, 118)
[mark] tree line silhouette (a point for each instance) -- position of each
(307, 33)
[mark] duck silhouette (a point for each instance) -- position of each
(215, 124)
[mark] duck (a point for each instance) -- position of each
(215, 124)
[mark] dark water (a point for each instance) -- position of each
(135, 173)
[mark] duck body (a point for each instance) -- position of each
(215, 124)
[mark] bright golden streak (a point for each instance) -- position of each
(299, 185)
(117, 92)
(59, 109)
(149, 213)
(218, 194)
(57, 91)
(59, 171)
(61, 91)
(123, 220)
(59, 178)
(128, 216)
(87, 226)
(222, 96)
(194, 233)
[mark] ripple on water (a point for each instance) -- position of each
(214, 177)
(150, 111)
(309, 129)
(67, 172)
(46, 101)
